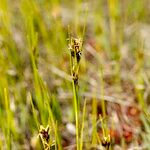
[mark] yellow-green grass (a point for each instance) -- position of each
(37, 88)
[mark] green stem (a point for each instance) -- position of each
(76, 109)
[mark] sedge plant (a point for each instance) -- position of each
(75, 47)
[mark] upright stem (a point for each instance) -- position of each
(76, 109)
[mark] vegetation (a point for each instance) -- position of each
(74, 74)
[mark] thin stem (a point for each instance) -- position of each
(75, 97)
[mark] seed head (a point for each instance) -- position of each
(75, 47)
(106, 141)
(45, 136)
(75, 44)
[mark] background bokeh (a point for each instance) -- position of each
(35, 66)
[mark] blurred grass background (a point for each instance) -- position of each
(35, 81)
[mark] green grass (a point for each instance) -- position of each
(50, 99)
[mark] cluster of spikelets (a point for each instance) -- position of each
(44, 134)
(75, 47)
